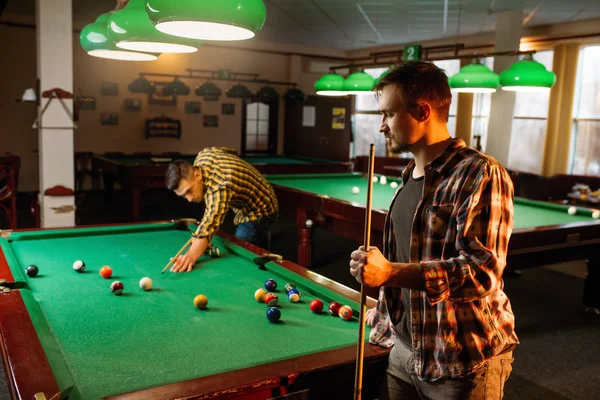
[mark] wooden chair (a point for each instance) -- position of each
(9, 179)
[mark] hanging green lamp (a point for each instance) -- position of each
(330, 85)
(208, 19)
(474, 78)
(294, 95)
(267, 94)
(131, 29)
(141, 85)
(176, 88)
(96, 42)
(527, 75)
(358, 83)
(239, 91)
(209, 91)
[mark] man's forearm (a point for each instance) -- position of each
(406, 275)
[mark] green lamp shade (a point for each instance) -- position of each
(209, 91)
(267, 94)
(474, 78)
(527, 75)
(330, 85)
(95, 41)
(176, 88)
(141, 85)
(208, 19)
(358, 83)
(294, 95)
(131, 29)
(239, 91)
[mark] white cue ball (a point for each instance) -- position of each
(375, 179)
(355, 190)
(394, 185)
(79, 266)
(383, 180)
(146, 283)
(308, 223)
(572, 210)
(596, 214)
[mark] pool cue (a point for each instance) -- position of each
(185, 246)
(363, 294)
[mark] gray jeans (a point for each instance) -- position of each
(486, 383)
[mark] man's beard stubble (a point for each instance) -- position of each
(399, 148)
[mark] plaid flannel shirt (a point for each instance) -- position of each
(231, 182)
(460, 238)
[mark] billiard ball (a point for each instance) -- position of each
(355, 190)
(596, 214)
(117, 288)
(214, 252)
(106, 272)
(383, 180)
(293, 290)
(316, 306)
(294, 296)
(345, 312)
(289, 286)
(271, 299)
(200, 301)
(271, 285)
(260, 294)
(394, 185)
(334, 308)
(146, 283)
(31, 271)
(79, 266)
(572, 210)
(375, 179)
(273, 314)
(309, 223)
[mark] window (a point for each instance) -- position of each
(366, 121)
(257, 127)
(530, 119)
(451, 67)
(482, 103)
(585, 143)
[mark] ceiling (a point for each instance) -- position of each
(351, 24)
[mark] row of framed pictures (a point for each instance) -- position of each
(112, 118)
(135, 105)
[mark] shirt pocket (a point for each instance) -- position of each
(438, 221)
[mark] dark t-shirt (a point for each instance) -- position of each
(403, 214)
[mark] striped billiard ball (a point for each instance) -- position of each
(345, 312)
(117, 288)
(271, 299)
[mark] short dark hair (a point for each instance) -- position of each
(420, 80)
(175, 172)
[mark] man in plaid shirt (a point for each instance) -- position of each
(441, 303)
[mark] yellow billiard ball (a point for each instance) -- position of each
(201, 301)
(260, 294)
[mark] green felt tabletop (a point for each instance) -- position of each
(106, 344)
(528, 213)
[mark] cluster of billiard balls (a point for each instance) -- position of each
(267, 296)
(382, 180)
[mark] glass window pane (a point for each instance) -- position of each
(251, 142)
(452, 126)
(263, 127)
(527, 145)
(251, 128)
(252, 111)
(450, 67)
(263, 142)
(586, 158)
(366, 102)
(263, 111)
(480, 128)
(366, 128)
(587, 104)
(535, 104)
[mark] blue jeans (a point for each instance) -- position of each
(256, 232)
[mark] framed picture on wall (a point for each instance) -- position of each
(132, 105)
(227, 109)
(109, 89)
(192, 107)
(109, 118)
(86, 102)
(211, 121)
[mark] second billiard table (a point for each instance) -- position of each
(64, 330)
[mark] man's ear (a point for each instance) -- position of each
(422, 112)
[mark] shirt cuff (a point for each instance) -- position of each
(436, 281)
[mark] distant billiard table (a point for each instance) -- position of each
(65, 331)
(137, 173)
(544, 233)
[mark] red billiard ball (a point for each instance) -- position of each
(316, 306)
(345, 312)
(334, 308)
(106, 272)
(271, 299)
(117, 288)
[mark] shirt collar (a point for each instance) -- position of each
(438, 163)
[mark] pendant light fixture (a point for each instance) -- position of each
(294, 95)
(208, 19)
(474, 78)
(239, 91)
(358, 83)
(141, 85)
(330, 85)
(176, 88)
(527, 75)
(95, 41)
(267, 94)
(131, 29)
(209, 91)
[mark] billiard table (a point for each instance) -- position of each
(137, 173)
(544, 233)
(65, 331)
